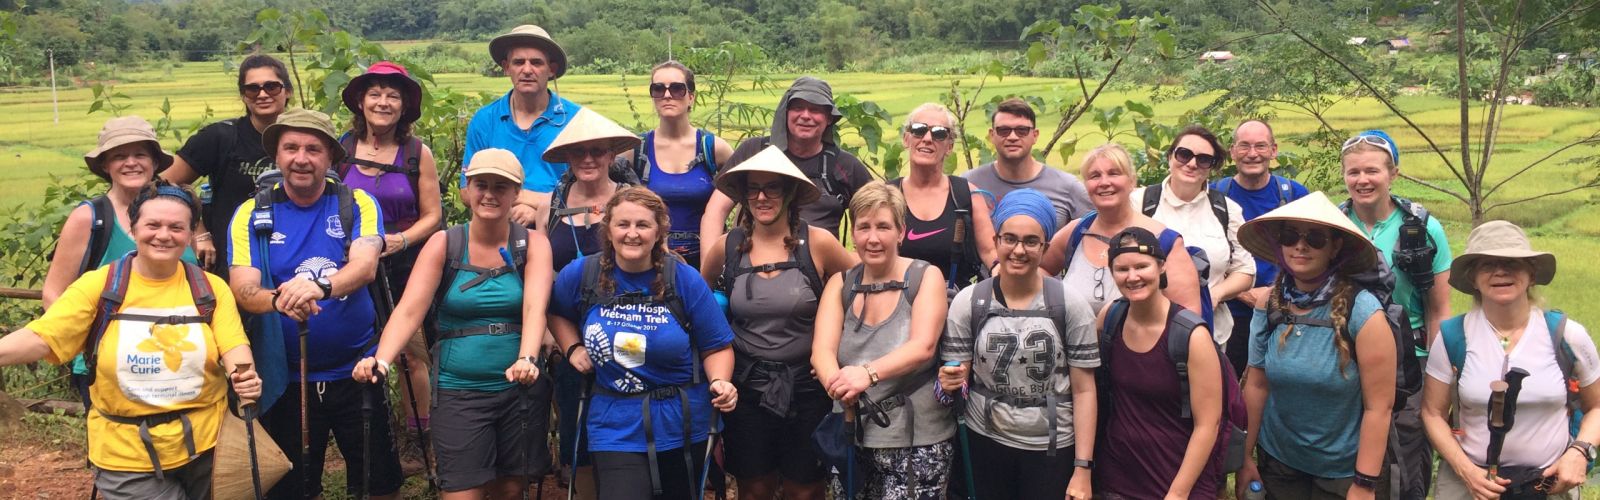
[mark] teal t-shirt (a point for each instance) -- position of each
(119, 245)
(1386, 236)
(1312, 420)
(479, 362)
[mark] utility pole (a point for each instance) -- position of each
(669, 43)
(54, 103)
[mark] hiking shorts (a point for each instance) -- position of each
(479, 436)
(759, 443)
(192, 480)
(334, 407)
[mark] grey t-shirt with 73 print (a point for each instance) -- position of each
(1011, 358)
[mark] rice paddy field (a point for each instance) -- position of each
(35, 146)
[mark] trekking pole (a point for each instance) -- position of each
(525, 408)
(249, 410)
(305, 423)
(961, 428)
(423, 444)
(577, 441)
(705, 465)
(1502, 414)
(368, 395)
(850, 452)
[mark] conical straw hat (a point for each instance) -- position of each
(772, 159)
(588, 126)
(230, 480)
(1260, 236)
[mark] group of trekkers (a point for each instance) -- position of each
(1016, 332)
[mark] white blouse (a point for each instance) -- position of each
(1198, 225)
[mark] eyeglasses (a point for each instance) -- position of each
(1183, 155)
(1374, 140)
(255, 89)
(1260, 146)
(919, 130)
(674, 90)
(1099, 283)
(1020, 132)
(773, 190)
(1315, 238)
(1011, 240)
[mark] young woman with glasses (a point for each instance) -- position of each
(1108, 175)
(679, 162)
(941, 229)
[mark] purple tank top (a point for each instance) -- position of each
(393, 192)
(1144, 434)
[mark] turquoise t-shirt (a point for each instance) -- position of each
(1386, 236)
(1312, 420)
(119, 245)
(479, 362)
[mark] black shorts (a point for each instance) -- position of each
(626, 475)
(334, 407)
(1005, 472)
(480, 436)
(759, 443)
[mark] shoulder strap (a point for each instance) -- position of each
(347, 211)
(1455, 342)
(1285, 189)
(1183, 325)
(111, 297)
(641, 158)
(708, 151)
(852, 279)
(1556, 322)
(913, 279)
(1219, 208)
(1055, 304)
(348, 142)
(1152, 199)
(730, 258)
(967, 251)
(455, 245)
(808, 265)
(411, 161)
(517, 246)
(205, 300)
(102, 221)
(1225, 185)
(591, 275)
(674, 300)
(982, 301)
(1111, 328)
(1076, 237)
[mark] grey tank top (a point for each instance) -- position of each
(1093, 283)
(773, 322)
(915, 416)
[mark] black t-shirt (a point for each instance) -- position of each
(229, 154)
(846, 174)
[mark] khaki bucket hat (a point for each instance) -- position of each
(303, 120)
(121, 131)
(1260, 236)
(772, 159)
(1499, 239)
(588, 126)
(535, 36)
(230, 480)
(495, 161)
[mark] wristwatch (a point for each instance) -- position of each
(1365, 481)
(326, 286)
(1083, 464)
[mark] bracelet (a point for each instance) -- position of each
(404, 243)
(275, 302)
(202, 237)
(573, 347)
(1364, 481)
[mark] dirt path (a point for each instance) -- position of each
(42, 471)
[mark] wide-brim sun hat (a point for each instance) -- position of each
(1260, 236)
(535, 36)
(1499, 239)
(732, 181)
(121, 131)
(585, 128)
(496, 162)
(303, 120)
(395, 75)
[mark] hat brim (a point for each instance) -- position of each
(270, 136)
(732, 181)
(615, 144)
(501, 45)
(1461, 278)
(493, 172)
(410, 90)
(97, 166)
(1260, 236)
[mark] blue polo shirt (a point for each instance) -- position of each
(493, 127)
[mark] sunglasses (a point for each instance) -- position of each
(1367, 139)
(773, 190)
(919, 130)
(672, 90)
(255, 89)
(1315, 238)
(589, 152)
(1020, 132)
(1183, 155)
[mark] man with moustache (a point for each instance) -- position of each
(1012, 133)
(529, 117)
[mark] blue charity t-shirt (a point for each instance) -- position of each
(1255, 203)
(308, 243)
(493, 127)
(640, 347)
(1312, 421)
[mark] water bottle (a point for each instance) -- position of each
(205, 195)
(722, 300)
(1255, 492)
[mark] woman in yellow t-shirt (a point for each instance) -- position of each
(162, 365)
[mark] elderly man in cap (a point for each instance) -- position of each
(527, 118)
(805, 127)
(303, 254)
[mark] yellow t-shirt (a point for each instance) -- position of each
(145, 371)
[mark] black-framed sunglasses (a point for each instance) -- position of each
(1003, 132)
(773, 190)
(919, 130)
(674, 90)
(1183, 155)
(1315, 238)
(255, 89)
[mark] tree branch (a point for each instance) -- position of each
(1067, 121)
(1592, 139)
(1434, 187)
(1590, 185)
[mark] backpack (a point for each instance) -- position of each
(799, 258)
(1414, 250)
(454, 249)
(1219, 209)
(116, 291)
(705, 155)
(1230, 443)
(1455, 346)
(619, 173)
(839, 185)
(1285, 190)
(1168, 238)
(983, 301)
(103, 220)
(261, 218)
(965, 251)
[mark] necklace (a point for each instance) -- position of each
(1505, 338)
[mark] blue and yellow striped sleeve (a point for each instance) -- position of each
(369, 218)
(239, 246)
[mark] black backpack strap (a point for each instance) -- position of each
(517, 246)
(1178, 332)
(1414, 248)
(1055, 302)
(808, 265)
(1219, 209)
(348, 143)
(641, 158)
(455, 245)
(982, 303)
(730, 258)
(102, 221)
(1152, 199)
(965, 251)
(347, 211)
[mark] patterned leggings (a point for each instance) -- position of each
(919, 472)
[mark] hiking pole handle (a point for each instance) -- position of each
(1497, 426)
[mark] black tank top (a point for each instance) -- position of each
(934, 241)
